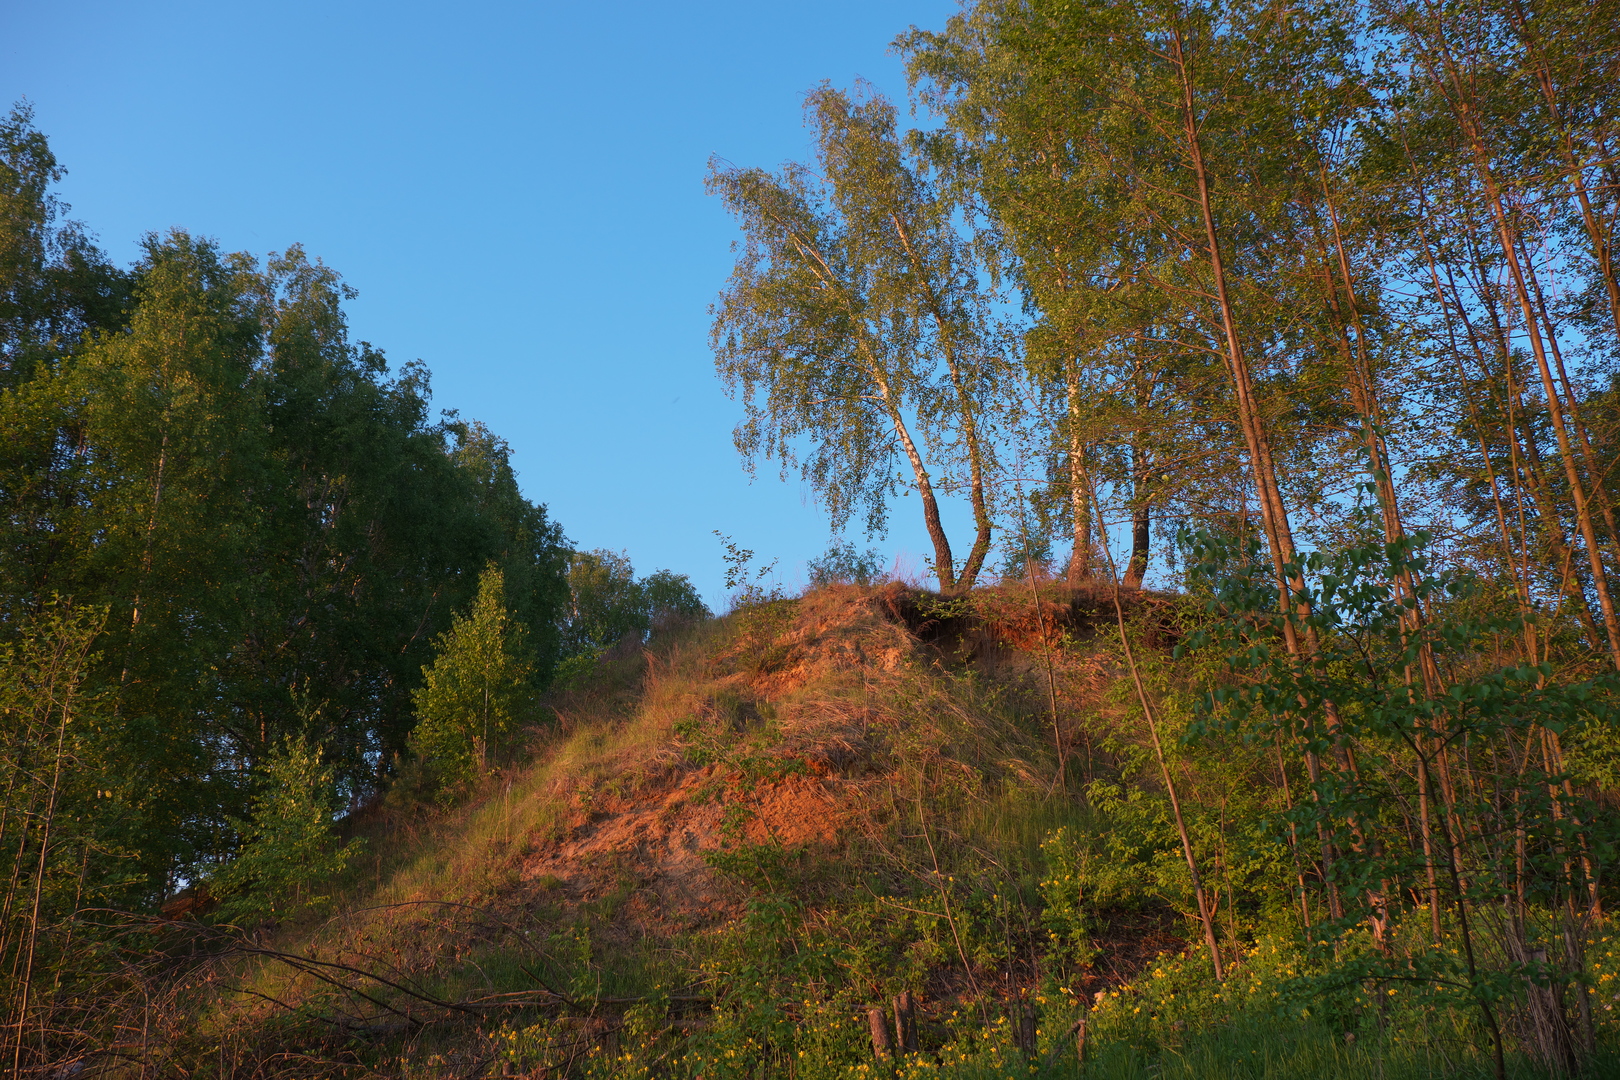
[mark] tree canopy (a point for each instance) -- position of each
(273, 523)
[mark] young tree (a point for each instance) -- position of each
(60, 797)
(479, 691)
(1502, 817)
(288, 860)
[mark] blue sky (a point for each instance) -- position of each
(516, 189)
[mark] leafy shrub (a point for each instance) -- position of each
(288, 860)
(477, 693)
(842, 564)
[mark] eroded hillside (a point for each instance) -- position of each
(734, 844)
(785, 750)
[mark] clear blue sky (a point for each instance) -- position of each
(516, 189)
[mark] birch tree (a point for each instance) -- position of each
(855, 329)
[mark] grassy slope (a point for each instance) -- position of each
(739, 840)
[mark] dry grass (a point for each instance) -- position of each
(806, 724)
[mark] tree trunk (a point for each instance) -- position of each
(1141, 535)
(878, 1024)
(1273, 514)
(1141, 504)
(1079, 484)
(1206, 914)
(944, 564)
(966, 410)
(1601, 250)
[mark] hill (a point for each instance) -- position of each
(745, 849)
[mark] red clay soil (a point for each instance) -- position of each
(652, 847)
(656, 842)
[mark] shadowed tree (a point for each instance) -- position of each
(54, 284)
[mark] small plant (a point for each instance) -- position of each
(744, 584)
(842, 564)
(289, 860)
(699, 745)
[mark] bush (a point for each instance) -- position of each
(842, 564)
(288, 858)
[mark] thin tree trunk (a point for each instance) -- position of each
(1588, 457)
(1365, 397)
(1141, 536)
(1601, 251)
(64, 710)
(1061, 780)
(1518, 561)
(1079, 484)
(1273, 511)
(1293, 840)
(944, 564)
(1205, 914)
(1526, 459)
(1555, 404)
(1464, 927)
(1141, 470)
(966, 409)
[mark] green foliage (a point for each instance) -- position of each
(965, 878)
(1399, 676)
(606, 602)
(55, 286)
(275, 525)
(63, 852)
(478, 693)
(289, 862)
(1340, 226)
(842, 564)
(759, 610)
(609, 604)
(670, 599)
(855, 330)
(745, 584)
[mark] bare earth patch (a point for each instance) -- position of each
(656, 841)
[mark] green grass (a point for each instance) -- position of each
(1299, 1051)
